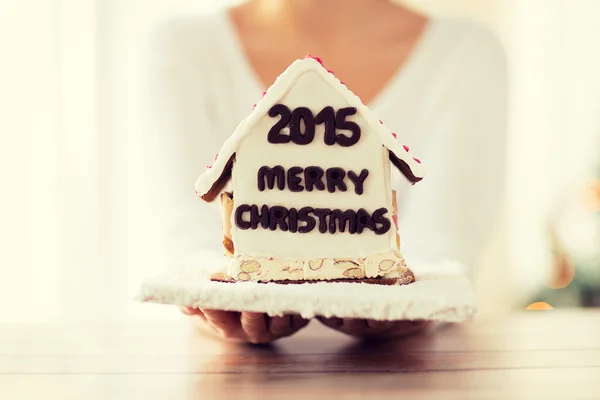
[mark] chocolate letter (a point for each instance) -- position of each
(270, 174)
(275, 136)
(335, 178)
(304, 216)
(277, 216)
(313, 178)
(364, 220)
(293, 179)
(378, 218)
(322, 214)
(302, 114)
(327, 117)
(262, 218)
(239, 212)
(339, 219)
(293, 220)
(358, 180)
(341, 123)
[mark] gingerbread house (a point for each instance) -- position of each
(309, 178)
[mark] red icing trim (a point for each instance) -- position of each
(263, 94)
(417, 160)
(314, 58)
(406, 148)
(394, 135)
(215, 159)
(318, 59)
(253, 106)
(381, 122)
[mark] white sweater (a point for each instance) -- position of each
(448, 103)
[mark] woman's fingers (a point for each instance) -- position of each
(356, 326)
(298, 322)
(363, 328)
(195, 312)
(255, 327)
(409, 327)
(334, 323)
(227, 322)
(259, 328)
(285, 325)
(280, 325)
(379, 325)
(248, 326)
(190, 311)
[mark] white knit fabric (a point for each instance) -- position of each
(441, 293)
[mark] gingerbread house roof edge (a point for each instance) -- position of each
(213, 180)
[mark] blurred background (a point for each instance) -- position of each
(76, 240)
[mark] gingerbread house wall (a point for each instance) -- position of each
(254, 151)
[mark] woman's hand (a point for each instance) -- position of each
(250, 327)
(371, 329)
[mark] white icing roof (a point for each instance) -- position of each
(400, 155)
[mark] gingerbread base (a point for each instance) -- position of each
(406, 278)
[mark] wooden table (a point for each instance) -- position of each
(530, 355)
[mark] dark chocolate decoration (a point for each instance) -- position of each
(353, 127)
(379, 218)
(339, 220)
(327, 117)
(327, 220)
(218, 186)
(364, 220)
(313, 177)
(358, 180)
(304, 216)
(239, 212)
(270, 174)
(299, 115)
(333, 120)
(404, 168)
(277, 216)
(293, 220)
(257, 218)
(322, 214)
(335, 179)
(275, 136)
(293, 179)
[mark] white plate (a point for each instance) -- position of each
(441, 293)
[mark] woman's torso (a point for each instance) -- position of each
(210, 87)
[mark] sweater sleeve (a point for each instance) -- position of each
(452, 213)
(182, 140)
